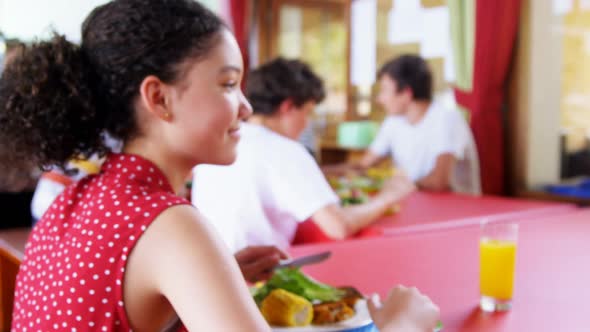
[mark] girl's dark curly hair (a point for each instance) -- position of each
(57, 98)
(281, 79)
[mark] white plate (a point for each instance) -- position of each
(360, 319)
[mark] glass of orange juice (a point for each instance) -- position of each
(497, 262)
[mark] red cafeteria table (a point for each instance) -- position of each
(552, 288)
(430, 211)
(423, 211)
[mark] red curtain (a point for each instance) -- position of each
(496, 26)
(240, 15)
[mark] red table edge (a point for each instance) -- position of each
(471, 221)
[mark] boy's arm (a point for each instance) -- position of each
(439, 179)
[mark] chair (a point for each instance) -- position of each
(465, 176)
(9, 265)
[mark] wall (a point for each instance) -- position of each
(534, 98)
(575, 78)
(27, 19)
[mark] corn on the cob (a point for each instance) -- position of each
(283, 308)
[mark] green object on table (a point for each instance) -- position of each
(357, 134)
(438, 327)
(294, 281)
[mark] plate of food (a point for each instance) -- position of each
(291, 301)
(369, 186)
(360, 322)
(353, 188)
(354, 195)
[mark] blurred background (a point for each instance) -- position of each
(519, 70)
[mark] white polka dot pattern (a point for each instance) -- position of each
(70, 278)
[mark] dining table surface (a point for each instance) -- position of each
(552, 271)
(424, 211)
(551, 291)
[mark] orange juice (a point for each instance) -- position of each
(497, 261)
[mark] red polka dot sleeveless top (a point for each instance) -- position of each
(71, 278)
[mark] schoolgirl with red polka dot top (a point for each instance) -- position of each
(74, 267)
(119, 251)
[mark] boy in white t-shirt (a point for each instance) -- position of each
(432, 145)
(275, 183)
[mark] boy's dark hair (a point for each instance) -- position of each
(57, 98)
(280, 79)
(410, 71)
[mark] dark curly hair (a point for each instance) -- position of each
(57, 98)
(280, 79)
(410, 71)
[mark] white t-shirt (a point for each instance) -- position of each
(414, 148)
(260, 199)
